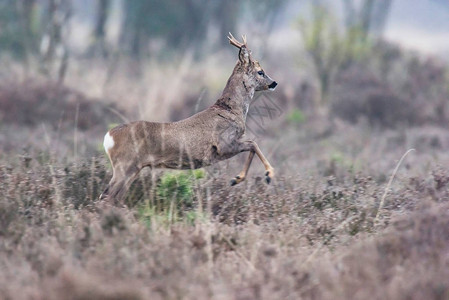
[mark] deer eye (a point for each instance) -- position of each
(261, 73)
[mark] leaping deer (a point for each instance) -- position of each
(207, 137)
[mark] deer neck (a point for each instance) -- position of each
(237, 95)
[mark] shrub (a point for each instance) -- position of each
(29, 103)
(392, 88)
(176, 187)
(359, 94)
(83, 183)
(174, 197)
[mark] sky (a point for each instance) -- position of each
(422, 25)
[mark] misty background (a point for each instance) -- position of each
(420, 25)
(93, 64)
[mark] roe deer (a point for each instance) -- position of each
(205, 138)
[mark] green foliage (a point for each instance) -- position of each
(198, 174)
(175, 199)
(177, 187)
(337, 157)
(354, 46)
(190, 217)
(146, 214)
(296, 116)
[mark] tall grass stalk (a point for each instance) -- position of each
(75, 134)
(389, 184)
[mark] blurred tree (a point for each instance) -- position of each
(40, 28)
(99, 32)
(261, 16)
(19, 27)
(368, 16)
(133, 26)
(184, 23)
(53, 48)
(226, 14)
(263, 13)
(331, 48)
(181, 23)
(323, 43)
(26, 10)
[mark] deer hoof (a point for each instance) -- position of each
(268, 176)
(267, 179)
(236, 180)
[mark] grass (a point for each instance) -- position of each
(315, 233)
(382, 200)
(312, 237)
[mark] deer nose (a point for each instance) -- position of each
(273, 85)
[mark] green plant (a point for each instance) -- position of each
(337, 157)
(175, 199)
(296, 116)
(177, 187)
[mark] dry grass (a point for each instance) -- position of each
(312, 234)
(310, 237)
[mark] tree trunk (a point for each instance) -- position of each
(100, 27)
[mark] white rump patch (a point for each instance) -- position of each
(108, 142)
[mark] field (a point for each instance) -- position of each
(359, 207)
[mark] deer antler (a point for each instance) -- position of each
(233, 41)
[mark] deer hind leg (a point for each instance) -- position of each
(254, 149)
(113, 184)
(122, 179)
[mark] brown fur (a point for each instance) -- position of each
(205, 138)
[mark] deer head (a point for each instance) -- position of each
(255, 75)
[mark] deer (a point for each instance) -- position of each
(212, 135)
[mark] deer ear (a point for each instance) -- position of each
(244, 55)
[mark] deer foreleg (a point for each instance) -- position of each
(254, 149)
(269, 171)
(242, 175)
